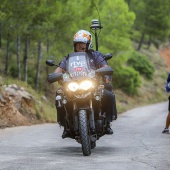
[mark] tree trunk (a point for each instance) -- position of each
(18, 56)
(26, 59)
(48, 45)
(38, 66)
(0, 35)
(7, 54)
(149, 42)
(141, 41)
(47, 69)
(128, 2)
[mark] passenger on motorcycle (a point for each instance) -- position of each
(82, 42)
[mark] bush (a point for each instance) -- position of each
(127, 79)
(13, 71)
(142, 64)
(31, 77)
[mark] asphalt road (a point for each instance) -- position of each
(137, 144)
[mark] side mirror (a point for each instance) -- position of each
(107, 56)
(51, 63)
(53, 77)
(104, 71)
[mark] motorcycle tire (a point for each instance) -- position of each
(84, 133)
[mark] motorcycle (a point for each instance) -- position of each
(82, 87)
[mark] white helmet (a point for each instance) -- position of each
(84, 37)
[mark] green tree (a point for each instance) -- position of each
(117, 21)
(157, 23)
(152, 20)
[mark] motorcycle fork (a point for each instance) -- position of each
(75, 117)
(91, 116)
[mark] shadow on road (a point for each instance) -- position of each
(71, 151)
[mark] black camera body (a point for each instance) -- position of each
(95, 24)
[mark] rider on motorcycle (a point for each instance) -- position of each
(82, 42)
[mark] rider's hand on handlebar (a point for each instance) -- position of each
(107, 79)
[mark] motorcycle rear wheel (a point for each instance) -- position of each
(84, 133)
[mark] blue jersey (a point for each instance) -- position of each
(168, 79)
(95, 57)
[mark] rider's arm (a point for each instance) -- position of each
(106, 78)
(168, 79)
(62, 66)
(58, 70)
(167, 86)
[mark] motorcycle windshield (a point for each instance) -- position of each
(78, 65)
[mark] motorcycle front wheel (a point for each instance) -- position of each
(84, 133)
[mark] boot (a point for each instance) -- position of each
(65, 133)
(109, 131)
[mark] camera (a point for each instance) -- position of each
(95, 24)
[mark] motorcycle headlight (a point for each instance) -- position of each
(85, 85)
(73, 86)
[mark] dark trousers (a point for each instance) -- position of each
(109, 105)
